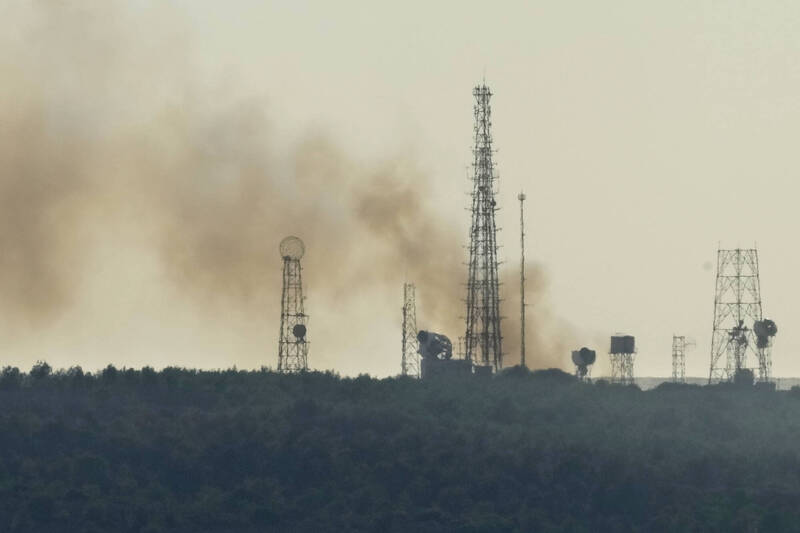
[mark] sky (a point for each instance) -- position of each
(645, 136)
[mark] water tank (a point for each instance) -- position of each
(622, 344)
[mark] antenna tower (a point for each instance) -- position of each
(483, 341)
(292, 342)
(521, 198)
(410, 364)
(737, 317)
(678, 359)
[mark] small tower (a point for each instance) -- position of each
(482, 339)
(410, 364)
(679, 346)
(293, 341)
(623, 348)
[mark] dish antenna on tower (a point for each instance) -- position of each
(583, 360)
(292, 342)
(292, 248)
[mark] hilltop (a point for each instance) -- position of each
(184, 450)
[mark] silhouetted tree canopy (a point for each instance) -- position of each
(250, 451)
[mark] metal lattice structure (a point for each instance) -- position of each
(483, 340)
(678, 359)
(410, 363)
(737, 310)
(521, 198)
(621, 354)
(622, 368)
(292, 341)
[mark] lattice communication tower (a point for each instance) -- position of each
(741, 336)
(679, 346)
(483, 340)
(410, 363)
(293, 340)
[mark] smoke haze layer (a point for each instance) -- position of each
(141, 212)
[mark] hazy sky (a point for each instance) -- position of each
(643, 133)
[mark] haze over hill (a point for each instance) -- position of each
(152, 156)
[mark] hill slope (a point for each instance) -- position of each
(232, 451)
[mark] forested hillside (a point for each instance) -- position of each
(236, 451)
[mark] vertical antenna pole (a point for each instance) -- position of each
(521, 198)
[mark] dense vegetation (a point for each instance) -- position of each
(181, 450)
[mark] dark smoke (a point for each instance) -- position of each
(94, 156)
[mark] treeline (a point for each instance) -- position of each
(239, 451)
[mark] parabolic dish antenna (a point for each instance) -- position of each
(292, 248)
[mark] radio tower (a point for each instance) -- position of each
(521, 199)
(482, 339)
(739, 332)
(292, 343)
(410, 363)
(678, 359)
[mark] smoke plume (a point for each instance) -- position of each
(111, 154)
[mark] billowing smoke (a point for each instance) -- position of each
(108, 149)
(549, 341)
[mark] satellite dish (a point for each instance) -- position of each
(584, 357)
(765, 328)
(588, 356)
(299, 331)
(292, 248)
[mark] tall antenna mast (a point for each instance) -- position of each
(410, 363)
(521, 199)
(292, 342)
(740, 331)
(482, 339)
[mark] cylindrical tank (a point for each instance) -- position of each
(629, 343)
(623, 344)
